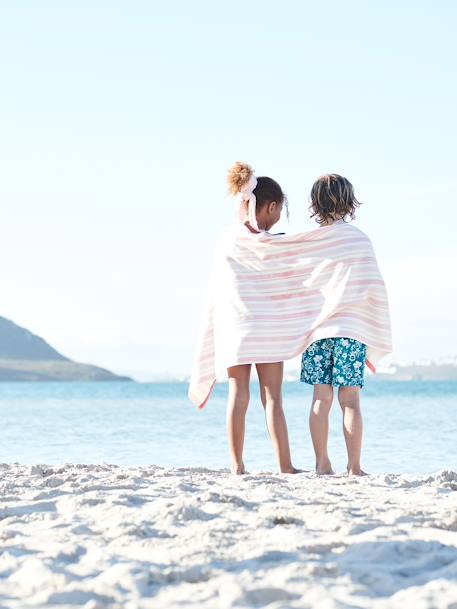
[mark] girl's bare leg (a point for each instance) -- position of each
(238, 401)
(349, 398)
(270, 381)
(318, 425)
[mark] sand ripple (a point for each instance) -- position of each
(103, 536)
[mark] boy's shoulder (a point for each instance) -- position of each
(351, 229)
(347, 230)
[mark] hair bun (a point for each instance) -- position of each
(238, 176)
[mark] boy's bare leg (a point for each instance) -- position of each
(270, 381)
(349, 398)
(318, 425)
(238, 401)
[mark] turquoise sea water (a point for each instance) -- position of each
(410, 427)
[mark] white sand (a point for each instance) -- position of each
(106, 536)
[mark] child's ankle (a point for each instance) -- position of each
(355, 470)
(238, 469)
(287, 468)
(324, 466)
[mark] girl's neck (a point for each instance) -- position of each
(253, 230)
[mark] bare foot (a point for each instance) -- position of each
(238, 470)
(356, 471)
(324, 468)
(292, 470)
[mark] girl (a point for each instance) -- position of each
(261, 203)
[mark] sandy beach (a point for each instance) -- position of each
(97, 536)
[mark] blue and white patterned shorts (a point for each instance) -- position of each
(334, 361)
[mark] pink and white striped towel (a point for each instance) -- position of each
(271, 296)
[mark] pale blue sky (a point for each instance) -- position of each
(119, 120)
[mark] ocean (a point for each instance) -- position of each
(410, 427)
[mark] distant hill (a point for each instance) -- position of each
(24, 356)
(17, 343)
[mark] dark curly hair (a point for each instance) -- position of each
(332, 198)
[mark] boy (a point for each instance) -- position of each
(335, 361)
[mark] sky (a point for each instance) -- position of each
(119, 121)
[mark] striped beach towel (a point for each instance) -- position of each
(271, 296)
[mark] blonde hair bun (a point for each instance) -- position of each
(238, 176)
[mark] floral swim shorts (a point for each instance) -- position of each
(334, 361)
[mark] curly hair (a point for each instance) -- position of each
(238, 176)
(332, 198)
(266, 191)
